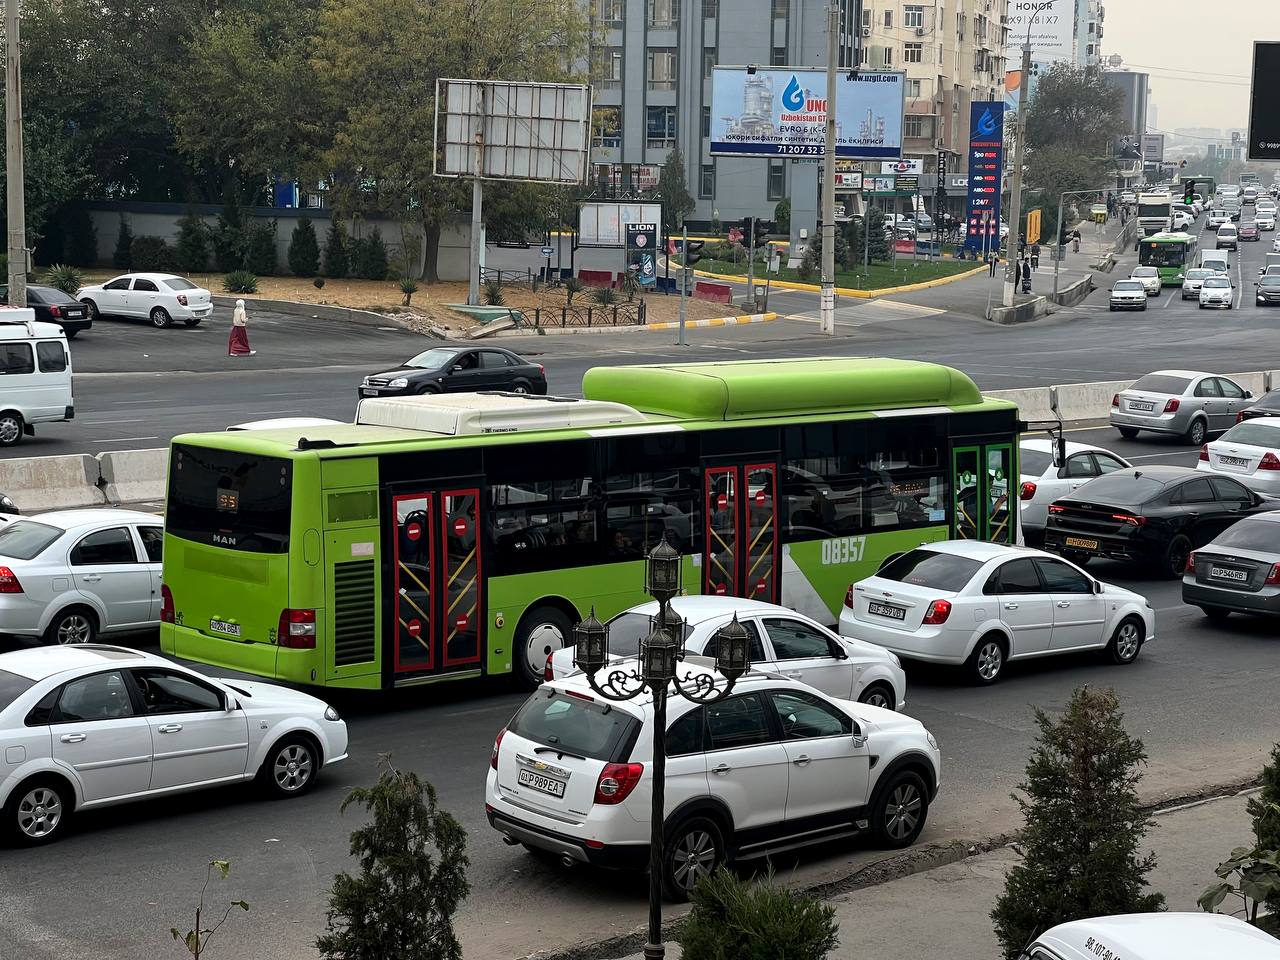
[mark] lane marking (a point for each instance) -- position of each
(123, 439)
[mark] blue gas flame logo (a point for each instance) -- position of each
(987, 125)
(793, 96)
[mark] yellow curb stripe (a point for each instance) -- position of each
(848, 291)
(713, 322)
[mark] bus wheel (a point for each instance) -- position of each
(542, 631)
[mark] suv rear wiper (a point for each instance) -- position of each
(558, 752)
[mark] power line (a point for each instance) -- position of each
(1200, 73)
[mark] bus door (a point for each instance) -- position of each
(438, 596)
(740, 547)
(982, 485)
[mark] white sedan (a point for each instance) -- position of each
(1194, 279)
(1250, 452)
(158, 297)
(92, 726)
(1217, 292)
(1265, 219)
(782, 641)
(978, 605)
(1149, 277)
(1044, 480)
(70, 575)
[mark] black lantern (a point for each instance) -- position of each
(662, 572)
(733, 650)
(591, 645)
(658, 655)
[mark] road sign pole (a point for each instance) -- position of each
(684, 282)
(827, 311)
(751, 262)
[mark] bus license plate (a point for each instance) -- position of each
(1233, 461)
(1082, 543)
(887, 610)
(540, 782)
(1224, 573)
(1141, 405)
(224, 628)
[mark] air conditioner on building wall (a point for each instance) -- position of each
(866, 31)
(920, 31)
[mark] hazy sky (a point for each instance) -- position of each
(1199, 54)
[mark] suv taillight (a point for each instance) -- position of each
(497, 742)
(938, 612)
(297, 629)
(616, 782)
(1171, 405)
(848, 596)
(1027, 490)
(166, 604)
(9, 581)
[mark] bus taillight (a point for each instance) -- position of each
(297, 629)
(166, 604)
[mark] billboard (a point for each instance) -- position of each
(603, 224)
(1264, 120)
(782, 112)
(642, 252)
(986, 156)
(513, 131)
(1153, 147)
(1053, 31)
(915, 167)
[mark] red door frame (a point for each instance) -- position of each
(473, 616)
(743, 536)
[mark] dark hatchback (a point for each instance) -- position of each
(1268, 291)
(1267, 405)
(1239, 570)
(458, 370)
(1151, 515)
(54, 306)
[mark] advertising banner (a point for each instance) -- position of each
(1264, 119)
(642, 252)
(1053, 29)
(986, 155)
(902, 166)
(1153, 147)
(782, 112)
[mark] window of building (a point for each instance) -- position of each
(866, 17)
(781, 9)
(960, 25)
(888, 19)
(707, 181)
(913, 53)
(608, 67)
(862, 56)
(606, 127)
(610, 12)
(777, 179)
(664, 14)
(710, 9)
(660, 127)
(913, 89)
(913, 126)
(778, 56)
(887, 54)
(662, 69)
(706, 121)
(912, 16)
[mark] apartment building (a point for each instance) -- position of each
(1090, 15)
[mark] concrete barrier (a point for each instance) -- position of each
(715, 292)
(132, 475)
(1073, 293)
(52, 483)
(1021, 312)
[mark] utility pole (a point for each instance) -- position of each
(477, 205)
(1015, 187)
(684, 281)
(828, 308)
(13, 156)
(751, 263)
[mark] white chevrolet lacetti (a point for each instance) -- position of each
(782, 641)
(979, 605)
(91, 726)
(1044, 480)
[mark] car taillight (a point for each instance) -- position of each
(1115, 399)
(1027, 490)
(1191, 563)
(497, 742)
(1240, 417)
(547, 673)
(616, 782)
(55, 310)
(1273, 578)
(166, 604)
(1129, 518)
(1204, 452)
(1171, 405)
(297, 629)
(9, 581)
(542, 370)
(938, 612)
(1054, 508)
(848, 596)
(1269, 462)
(182, 299)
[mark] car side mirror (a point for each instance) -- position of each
(232, 704)
(1097, 586)
(456, 368)
(837, 649)
(1248, 394)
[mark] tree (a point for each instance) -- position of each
(369, 256)
(260, 248)
(1266, 825)
(676, 201)
(1074, 105)
(304, 250)
(193, 244)
(879, 236)
(734, 919)
(412, 876)
(122, 256)
(1083, 825)
(782, 215)
(336, 263)
(228, 234)
(82, 238)
(56, 173)
(197, 939)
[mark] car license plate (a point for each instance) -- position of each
(368, 393)
(541, 782)
(1234, 461)
(887, 610)
(75, 314)
(1226, 573)
(224, 628)
(1143, 405)
(1082, 543)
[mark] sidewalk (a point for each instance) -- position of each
(945, 912)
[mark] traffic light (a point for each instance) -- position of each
(746, 230)
(1189, 192)
(693, 252)
(762, 233)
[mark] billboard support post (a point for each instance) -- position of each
(828, 308)
(1015, 188)
(684, 281)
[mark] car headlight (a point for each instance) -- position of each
(7, 504)
(398, 383)
(933, 741)
(331, 715)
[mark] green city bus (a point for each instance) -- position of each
(454, 536)
(1171, 253)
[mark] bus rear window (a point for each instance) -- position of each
(228, 499)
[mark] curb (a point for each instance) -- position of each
(713, 322)
(850, 291)
(325, 311)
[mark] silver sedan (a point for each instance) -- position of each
(1186, 403)
(1239, 570)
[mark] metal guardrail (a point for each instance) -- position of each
(611, 315)
(524, 277)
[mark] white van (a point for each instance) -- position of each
(1215, 260)
(35, 374)
(1155, 936)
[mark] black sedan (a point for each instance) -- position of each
(458, 370)
(54, 306)
(1267, 405)
(1152, 515)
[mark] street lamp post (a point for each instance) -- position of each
(655, 672)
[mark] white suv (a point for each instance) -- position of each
(775, 764)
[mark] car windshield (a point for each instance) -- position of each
(1253, 433)
(1217, 282)
(1271, 281)
(1034, 462)
(598, 731)
(26, 539)
(1127, 285)
(929, 568)
(1145, 272)
(1162, 383)
(627, 629)
(1199, 273)
(1251, 534)
(12, 686)
(178, 283)
(432, 359)
(1122, 487)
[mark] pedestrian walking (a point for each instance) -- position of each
(1026, 275)
(1017, 272)
(1075, 242)
(1035, 256)
(238, 342)
(992, 260)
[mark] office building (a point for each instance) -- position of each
(1090, 15)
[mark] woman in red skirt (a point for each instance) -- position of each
(238, 343)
